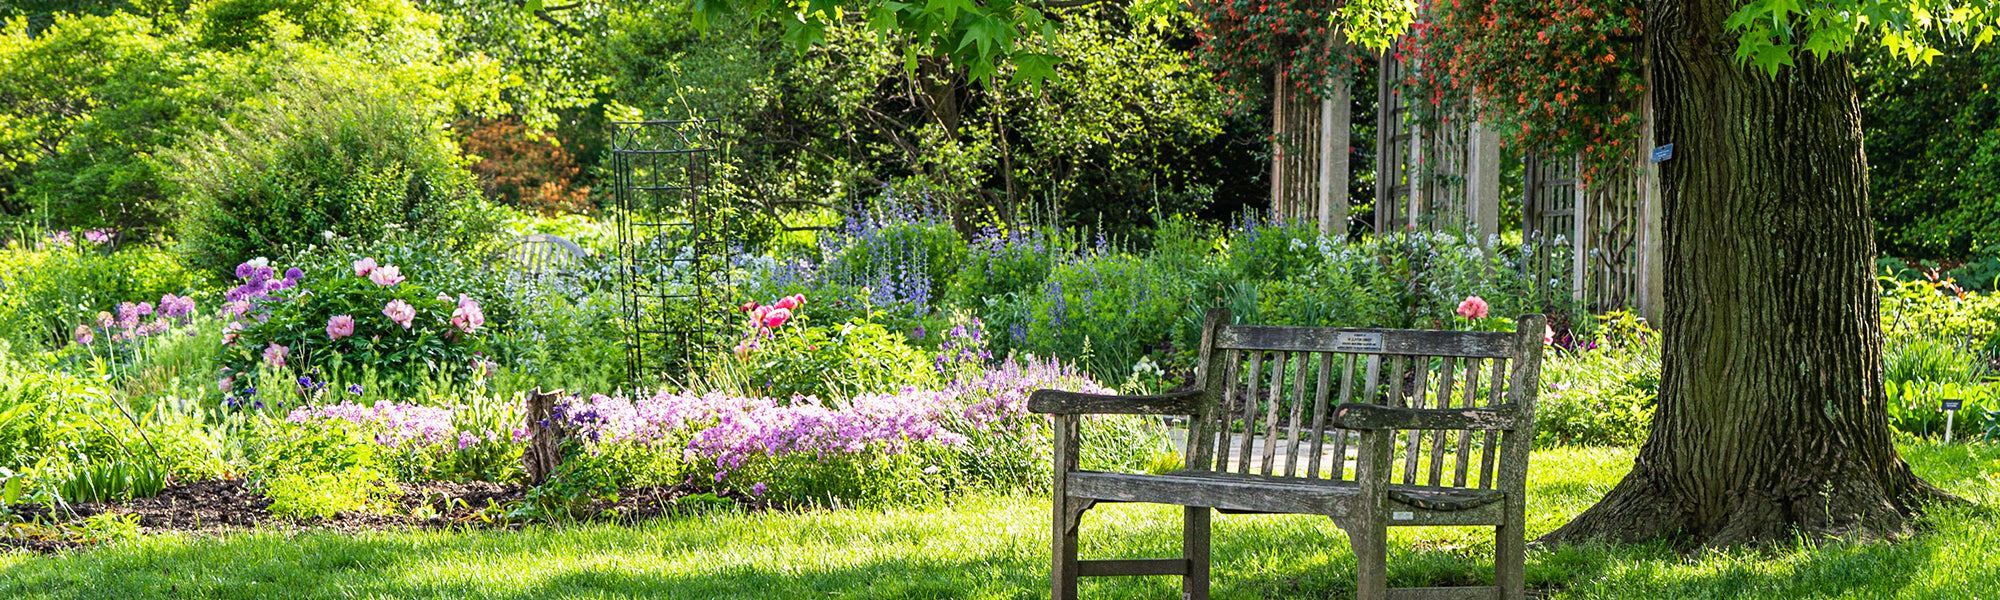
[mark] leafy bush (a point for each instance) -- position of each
(785, 356)
(1118, 306)
(368, 319)
(1603, 393)
(325, 159)
(1004, 261)
(316, 468)
(60, 281)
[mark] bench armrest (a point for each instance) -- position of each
(1356, 415)
(1077, 403)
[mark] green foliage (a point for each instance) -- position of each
(1002, 262)
(234, 24)
(326, 158)
(83, 103)
(834, 361)
(1599, 397)
(48, 288)
(318, 468)
(1106, 311)
(432, 347)
(1919, 310)
(1933, 157)
(887, 254)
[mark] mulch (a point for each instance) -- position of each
(227, 505)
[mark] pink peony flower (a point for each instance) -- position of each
(777, 317)
(386, 275)
(467, 317)
(83, 335)
(275, 354)
(757, 314)
(227, 383)
(742, 349)
(339, 326)
(231, 331)
(787, 303)
(363, 267)
(747, 307)
(1473, 307)
(399, 311)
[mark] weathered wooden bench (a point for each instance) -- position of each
(1440, 423)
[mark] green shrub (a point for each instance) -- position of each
(321, 159)
(909, 261)
(318, 468)
(833, 361)
(1600, 396)
(1002, 262)
(292, 324)
(1119, 307)
(46, 292)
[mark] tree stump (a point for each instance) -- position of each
(546, 432)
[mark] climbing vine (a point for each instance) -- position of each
(1555, 77)
(1245, 41)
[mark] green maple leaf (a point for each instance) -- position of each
(1033, 69)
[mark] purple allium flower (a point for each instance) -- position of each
(294, 274)
(83, 335)
(98, 236)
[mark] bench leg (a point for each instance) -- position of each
(1510, 557)
(1370, 538)
(1062, 571)
(1194, 547)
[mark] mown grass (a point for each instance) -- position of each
(996, 547)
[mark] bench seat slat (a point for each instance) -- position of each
(1259, 493)
(1481, 592)
(1133, 566)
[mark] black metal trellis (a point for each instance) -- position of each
(672, 246)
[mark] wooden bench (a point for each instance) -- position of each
(1440, 423)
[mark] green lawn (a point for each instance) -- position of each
(996, 547)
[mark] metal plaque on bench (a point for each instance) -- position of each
(1358, 342)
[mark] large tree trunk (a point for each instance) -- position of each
(1771, 419)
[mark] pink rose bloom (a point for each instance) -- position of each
(83, 335)
(467, 317)
(363, 267)
(339, 326)
(777, 317)
(1473, 307)
(399, 311)
(275, 354)
(787, 303)
(386, 275)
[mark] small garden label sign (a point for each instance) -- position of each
(1953, 400)
(1663, 153)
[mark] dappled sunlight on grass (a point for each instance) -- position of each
(996, 546)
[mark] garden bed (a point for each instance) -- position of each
(228, 505)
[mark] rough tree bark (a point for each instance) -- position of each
(1771, 419)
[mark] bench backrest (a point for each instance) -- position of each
(1272, 393)
(540, 254)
